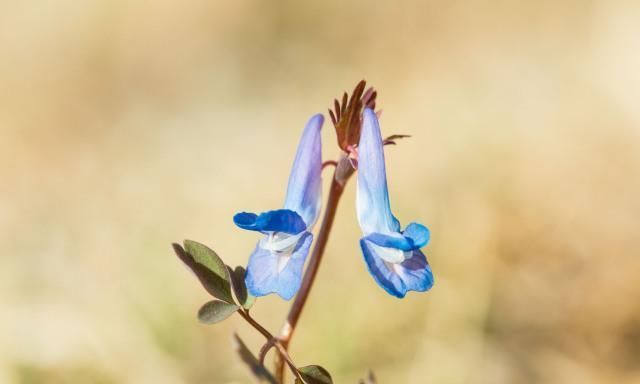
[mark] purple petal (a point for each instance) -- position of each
(374, 211)
(276, 272)
(392, 240)
(304, 190)
(413, 274)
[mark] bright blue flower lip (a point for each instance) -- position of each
(415, 236)
(393, 257)
(418, 234)
(276, 264)
(275, 272)
(281, 220)
(413, 274)
(395, 241)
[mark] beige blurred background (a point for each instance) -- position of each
(127, 125)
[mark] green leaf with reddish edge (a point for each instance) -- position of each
(208, 268)
(315, 374)
(215, 311)
(240, 288)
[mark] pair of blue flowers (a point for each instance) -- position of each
(393, 257)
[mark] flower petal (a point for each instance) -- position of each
(281, 220)
(304, 189)
(374, 211)
(277, 272)
(396, 224)
(418, 233)
(391, 240)
(413, 274)
(416, 273)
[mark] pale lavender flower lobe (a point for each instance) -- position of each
(393, 257)
(276, 264)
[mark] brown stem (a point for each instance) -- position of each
(265, 349)
(255, 324)
(328, 163)
(271, 342)
(340, 177)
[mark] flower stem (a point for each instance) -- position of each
(271, 342)
(341, 175)
(245, 314)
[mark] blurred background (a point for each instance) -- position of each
(128, 125)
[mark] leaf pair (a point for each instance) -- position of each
(218, 279)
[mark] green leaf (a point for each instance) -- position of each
(215, 311)
(240, 288)
(315, 374)
(208, 268)
(258, 370)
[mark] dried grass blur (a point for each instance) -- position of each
(126, 125)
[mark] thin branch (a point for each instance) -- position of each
(271, 342)
(265, 349)
(255, 324)
(285, 354)
(341, 175)
(328, 163)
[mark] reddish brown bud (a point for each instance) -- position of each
(347, 114)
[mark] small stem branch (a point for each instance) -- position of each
(255, 324)
(328, 163)
(284, 354)
(265, 349)
(271, 342)
(341, 175)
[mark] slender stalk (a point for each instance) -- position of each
(255, 324)
(341, 175)
(271, 342)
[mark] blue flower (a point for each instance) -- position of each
(275, 266)
(393, 257)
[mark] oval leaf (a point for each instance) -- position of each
(315, 374)
(240, 288)
(208, 268)
(215, 311)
